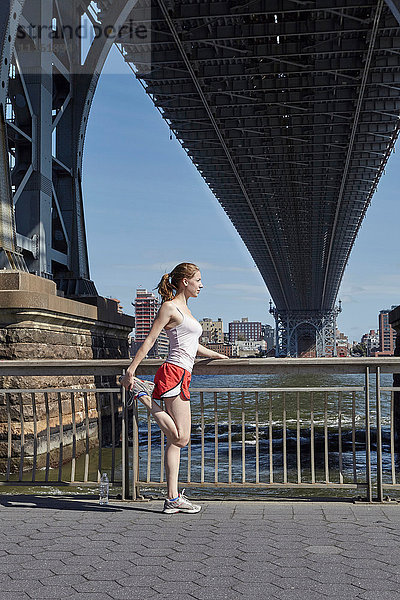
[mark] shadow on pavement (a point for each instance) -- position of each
(65, 502)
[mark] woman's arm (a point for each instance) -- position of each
(163, 317)
(203, 351)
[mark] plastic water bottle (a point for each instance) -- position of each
(104, 489)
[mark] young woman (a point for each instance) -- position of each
(173, 377)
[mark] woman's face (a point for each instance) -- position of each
(193, 285)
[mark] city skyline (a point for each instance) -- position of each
(163, 213)
(244, 321)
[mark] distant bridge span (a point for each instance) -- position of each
(289, 109)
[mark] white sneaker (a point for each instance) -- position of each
(182, 504)
(139, 387)
(142, 386)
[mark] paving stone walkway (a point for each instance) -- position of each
(60, 548)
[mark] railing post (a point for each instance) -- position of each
(135, 449)
(367, 438)
(378, 436)
(125, 447)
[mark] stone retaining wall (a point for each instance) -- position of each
(35, 324)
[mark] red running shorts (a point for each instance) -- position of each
(170, 381)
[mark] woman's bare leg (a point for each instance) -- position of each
(175, 422)
(161, 417)
(179, 410)
(172, 459)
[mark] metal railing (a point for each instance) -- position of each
(389, 397)
(337, 437)
(62, 450)
(61, 435)
(278, 450)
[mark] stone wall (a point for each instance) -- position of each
(47, 408)
(37, 324)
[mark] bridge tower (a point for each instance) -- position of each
(49, 306)
(51, 55)
(305, 333)
(46, 93)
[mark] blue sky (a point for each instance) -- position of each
(147, 209)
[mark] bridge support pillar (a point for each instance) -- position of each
(47, 86)
(37, 323)
(394, 320)
(305, 334)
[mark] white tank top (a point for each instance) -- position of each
(184, 342)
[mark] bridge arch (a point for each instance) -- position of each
(302, 345)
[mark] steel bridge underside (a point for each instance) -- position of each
(289, 110)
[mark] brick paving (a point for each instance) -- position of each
(64, 548)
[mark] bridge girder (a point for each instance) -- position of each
(290, 113)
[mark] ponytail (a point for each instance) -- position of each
(165, 288)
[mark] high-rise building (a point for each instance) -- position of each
(213, 332)
(146, 308)
(244, 330)
(268, 334)
(387, 335)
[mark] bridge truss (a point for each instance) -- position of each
(289, 109)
